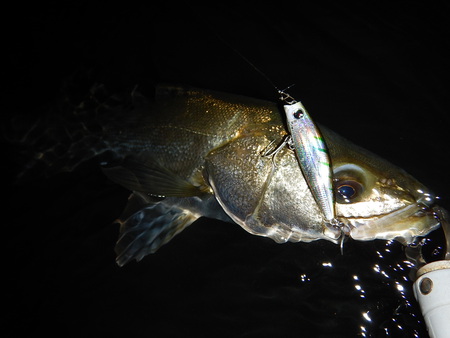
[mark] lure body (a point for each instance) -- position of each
(313, 157)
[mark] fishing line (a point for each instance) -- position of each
(284, 96)
(311, 152)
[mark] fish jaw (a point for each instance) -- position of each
(403, 225)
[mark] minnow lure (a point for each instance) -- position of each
(313, 157)
(312, 154)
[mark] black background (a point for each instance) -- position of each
(377, 74)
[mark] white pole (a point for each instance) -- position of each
(432, 291)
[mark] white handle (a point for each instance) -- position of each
(432, 291)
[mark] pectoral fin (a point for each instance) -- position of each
(146, 224)
(151, 178)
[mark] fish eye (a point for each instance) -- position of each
(351, 183)
(348, 191)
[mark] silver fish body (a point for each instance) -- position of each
(191, 153)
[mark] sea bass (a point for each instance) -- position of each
(188, 153)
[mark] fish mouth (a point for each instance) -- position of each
(404, 225)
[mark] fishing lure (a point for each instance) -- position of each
(312, 154)
(311, 151)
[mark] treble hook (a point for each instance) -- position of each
(342, 243)
(337, 226)
(274, 152)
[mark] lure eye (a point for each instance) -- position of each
(298, 114)
(348, 191)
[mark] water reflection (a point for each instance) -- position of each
(366, 316)
(304, 278)
(369, 288)
(358, 287)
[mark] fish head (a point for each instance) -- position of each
(376, 199)
(268, 195)
(382, 205)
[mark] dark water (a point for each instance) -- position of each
(377, 75)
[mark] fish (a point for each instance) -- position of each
(185, 153)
